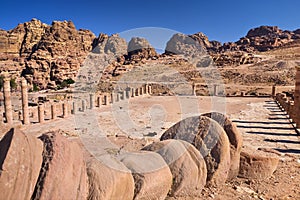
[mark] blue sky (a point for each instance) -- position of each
(219, 20)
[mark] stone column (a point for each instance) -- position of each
(146, 88)
(118, 97)
(215, 90)
(112, 98)
(142, 90)
(137, 92)
(25, 101)
(65, 109)
(150, 89)
(99, 101)
(7, 101)
(132, 92)
(83, 105)
(74, 108)
(105, 102)
(273, 91)
(297, 97)
(41, 116)
(92, 101)
(128, 93)
(193, 89)
(53, 111)
(124, 95)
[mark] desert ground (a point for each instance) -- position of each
(262, 123)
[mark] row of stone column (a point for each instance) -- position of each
(66, 107)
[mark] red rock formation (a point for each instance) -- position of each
(20, 163)
(45, 55)
(63, 174)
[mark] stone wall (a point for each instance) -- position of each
(291, 104)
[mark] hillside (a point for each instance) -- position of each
(48, 55)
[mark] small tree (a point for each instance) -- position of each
(35, 88)
(66, 83)
(69, 81)
(13, 84)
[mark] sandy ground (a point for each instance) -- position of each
(144, 119)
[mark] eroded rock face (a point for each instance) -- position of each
(187, 166)
(204, 41)
(63, 174)
(262, 38)
(183, 45)
(256, 164)
(20, 161)
(109, 183)
(152, 176)
(42, 53)
(235, 139)
(113, 44)
(210, 139)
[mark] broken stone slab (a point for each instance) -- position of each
(257, 164)
(63, 174)
(235, 139)
(187, 166)
(20, 161)
(152, 176)
(210, 139)
(113, 181)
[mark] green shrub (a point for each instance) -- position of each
(66, 83)
(13, 84)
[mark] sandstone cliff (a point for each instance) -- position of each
(44, 54)
(48, 55)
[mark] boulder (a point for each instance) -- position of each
(210, 139)
(187, 166)
(235, 139)
(20, 161)
(63, 174)
(256, 164)
(107, 182)
(152, 176)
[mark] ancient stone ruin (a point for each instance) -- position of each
(195, 153)
(290, 102)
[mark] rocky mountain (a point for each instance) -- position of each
(45, 54)
(260, 39)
